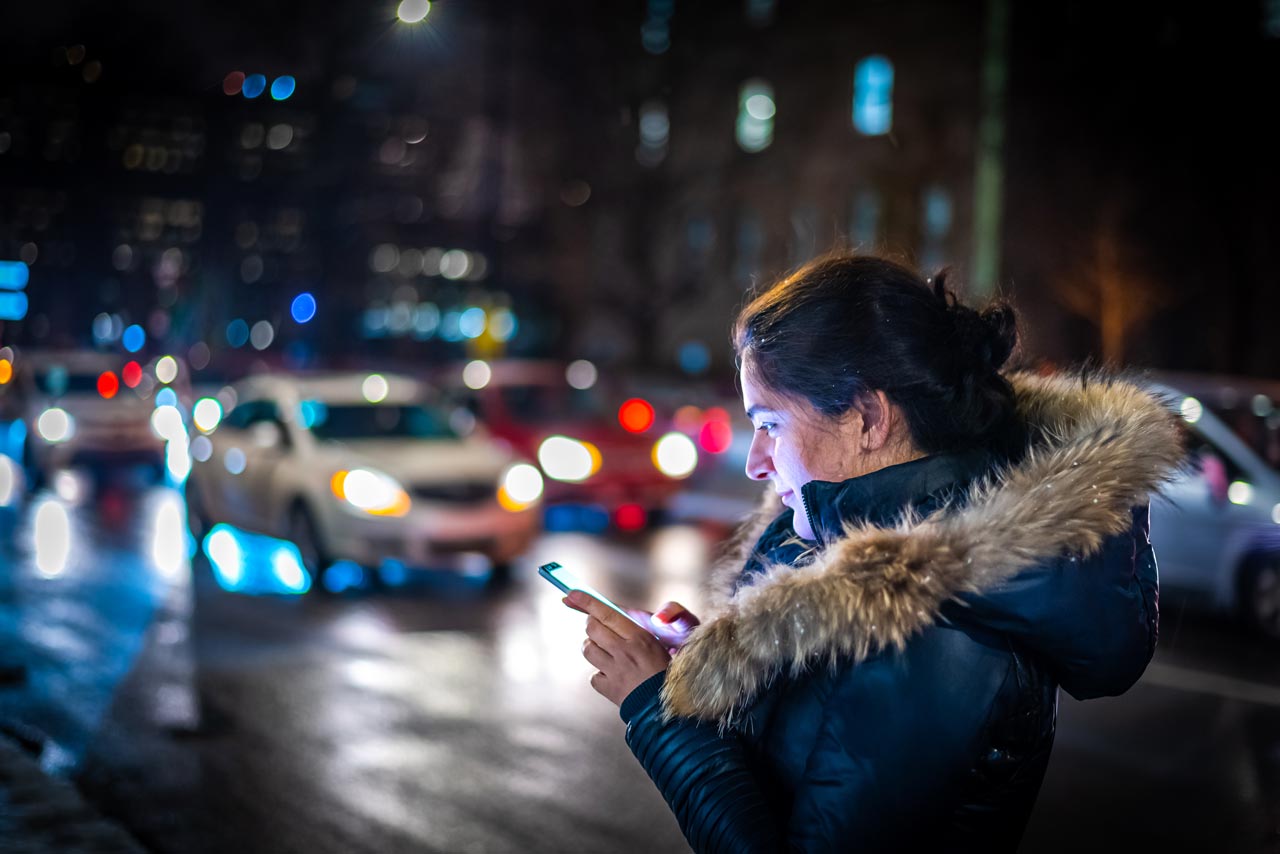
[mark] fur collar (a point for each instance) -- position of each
(1100, 447)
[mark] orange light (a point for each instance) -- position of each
(6, 371)
(636, 415)
(131, 373)
(509, 503)
(630, 517)
(108, 385)
(336, 483)
(715, 437)
(688, 418)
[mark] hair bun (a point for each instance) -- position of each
(988, 337)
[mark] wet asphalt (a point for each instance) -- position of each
(446, 716)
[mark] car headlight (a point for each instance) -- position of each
(371, 491)
(568, 459)
(521, 486)
(55, 425)
(675, 455)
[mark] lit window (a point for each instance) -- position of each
(873, 96)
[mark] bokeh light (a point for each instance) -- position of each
(282, 87)
(254, 85)
(167, 369)
(108, 384)
(636, 415)
(237, 333)
(206, 414)
(675, 455)
(134, 338)
(375, 388)
(413, 11)
(303, 307)
(581, 374)
(262, 334)
(131, 373)
(476, 374)
(233, 83)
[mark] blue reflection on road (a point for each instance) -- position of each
(254, 563)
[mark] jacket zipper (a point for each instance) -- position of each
(809, 515)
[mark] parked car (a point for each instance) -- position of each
(597, 447)
(361, 468)
(1217, 528)
(78, 410)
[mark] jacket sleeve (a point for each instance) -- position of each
(890, 734)
(702, 775)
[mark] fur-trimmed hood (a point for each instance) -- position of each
(1099, 448)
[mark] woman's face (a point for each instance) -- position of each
(794, 443)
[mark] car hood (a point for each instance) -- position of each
(421, 461)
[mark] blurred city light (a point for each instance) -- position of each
(1275, 514)
(131, 374)
(521, 485)
(756, 109)
(342, 575)
(169, 536)
(14, 275)
(166, 422)
(233, 83)
(581, 374)
(201, 449)
(282, 87)
(108, 385)
(52, 535)
(1240, 492)
(262, 334)
(206, 414)
(476, 374)
(1191, 410)
(413, 11)
(455, 264)
(166, 397)
(55, 425)
(303, 307)
(10, 481)
(237, 333)
(6, 371)
(630, 517)
(226, 556)
(254, 85)
(177, 458)
(636, 415)
(102, 328)
(472, 321)
(374, 492)
(286, 563)
(675, 455)
(69, 485)
(375, 388)
(695, 357)
(567, 459)
(233, 460)
(503, 324)
(167, 369)
(715, 437)
(134, 338)
(873, 96)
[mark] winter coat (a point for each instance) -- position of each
(895, 685)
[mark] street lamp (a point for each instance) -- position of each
(413, 11)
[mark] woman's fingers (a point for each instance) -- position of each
(596, 655)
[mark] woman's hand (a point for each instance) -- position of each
(672, 623)
(623, 654)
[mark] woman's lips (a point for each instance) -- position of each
(785, 495)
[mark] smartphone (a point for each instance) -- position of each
(567, 582)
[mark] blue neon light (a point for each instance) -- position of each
(134, 339)
(303, 307)
(14, 275)
(13, 305)
(282, 87)
(254, 85)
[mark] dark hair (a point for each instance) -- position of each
(846, 325)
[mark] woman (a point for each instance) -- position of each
(951, 545)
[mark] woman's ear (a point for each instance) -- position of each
(877, 420)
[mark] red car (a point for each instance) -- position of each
(600, 451)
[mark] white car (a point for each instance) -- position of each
(358, 468)
(1216, 531)
(77, 410)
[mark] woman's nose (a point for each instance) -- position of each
(759, 460)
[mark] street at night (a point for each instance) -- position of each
(443, 716)
(740, 426)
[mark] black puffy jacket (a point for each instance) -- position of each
(895, 684)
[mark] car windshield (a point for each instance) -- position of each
(58, 380)
(537, 403)
(329, 421)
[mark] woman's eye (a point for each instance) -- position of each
(767, 427)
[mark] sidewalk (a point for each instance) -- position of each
(40, 814)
